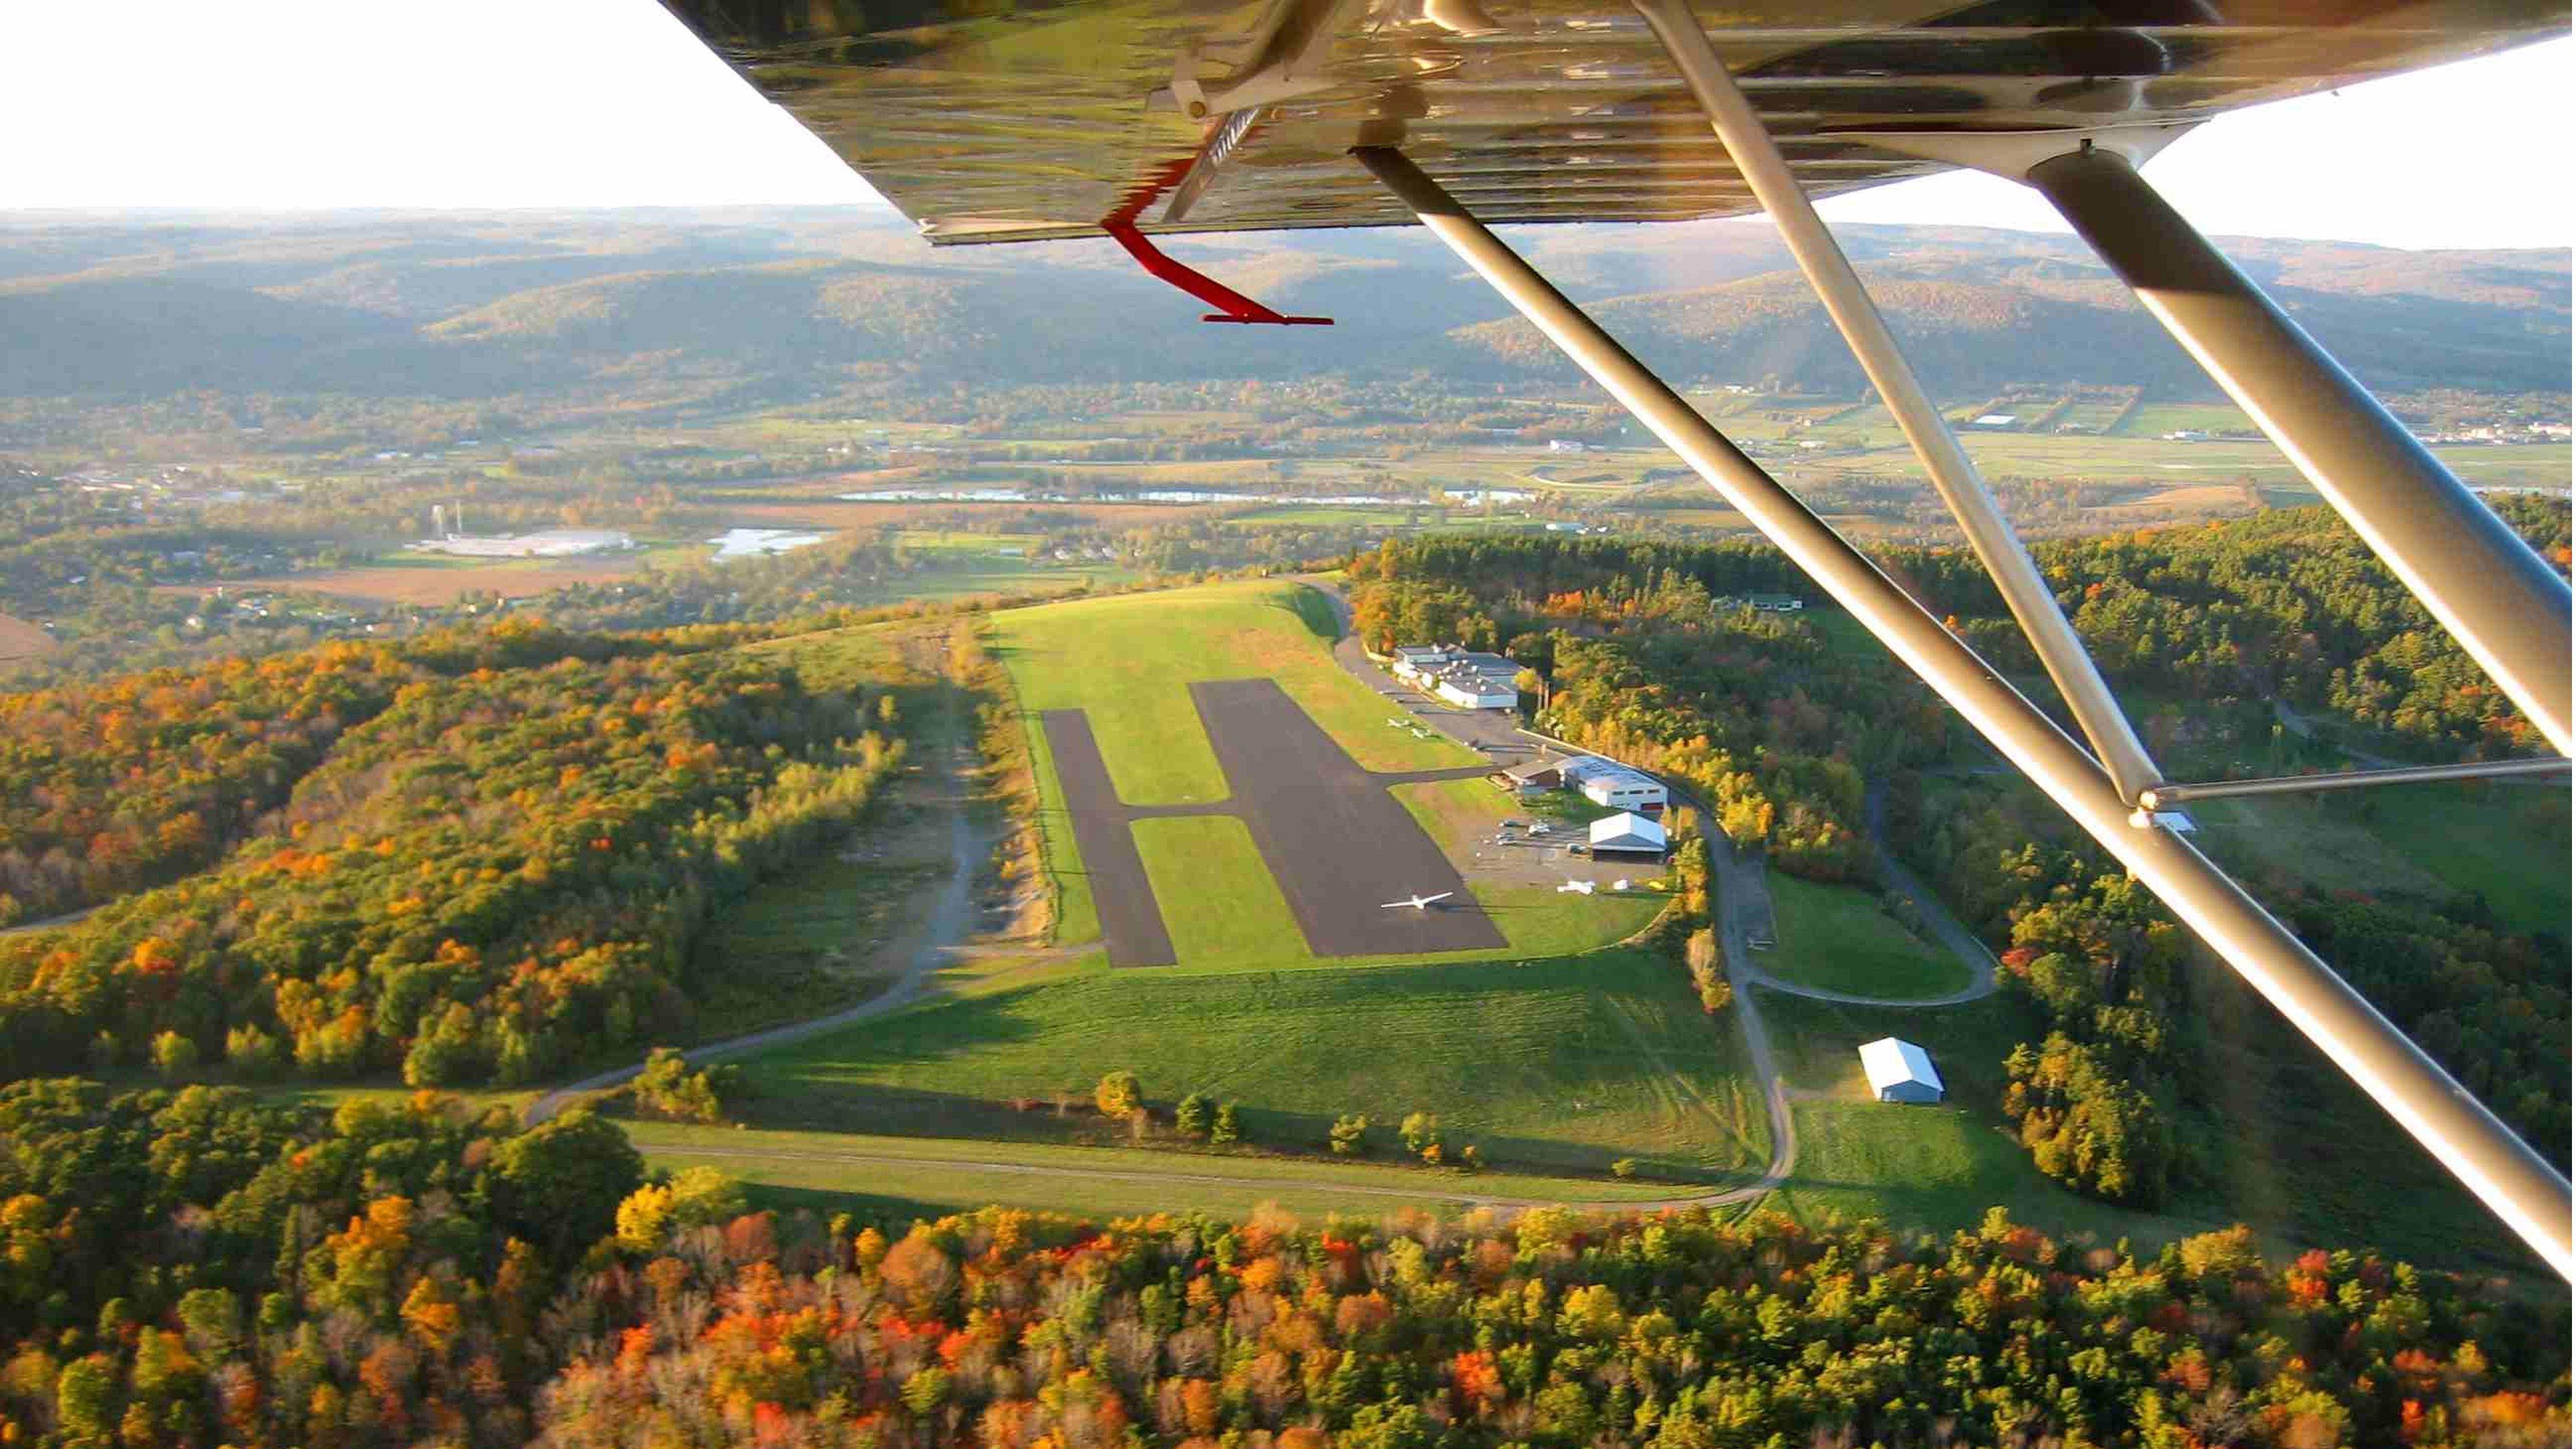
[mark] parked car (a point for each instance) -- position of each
(1542, 828)
(1515, 825)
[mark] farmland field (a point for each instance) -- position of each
(444, 583)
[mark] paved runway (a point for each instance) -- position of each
(1130, 924)
(1336, 842)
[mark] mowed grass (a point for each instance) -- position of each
(1835, 938)
(1128, 663)
(893, 1180)
(1555, 1066)
(1935, 1167)
(1218, 899)
(1077, 915)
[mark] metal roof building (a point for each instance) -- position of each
(1900, 1071)
(1628, 834)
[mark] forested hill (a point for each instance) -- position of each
(787, 305)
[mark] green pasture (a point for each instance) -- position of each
(1836, 938)
(1129, 661)
(1556, 1066)
(2154, 420)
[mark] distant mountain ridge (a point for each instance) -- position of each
(785, 304)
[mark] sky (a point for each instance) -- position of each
(321, 104)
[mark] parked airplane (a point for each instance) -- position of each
(1419, 903)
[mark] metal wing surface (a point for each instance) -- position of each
(991, 122)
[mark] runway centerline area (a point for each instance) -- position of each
(1335, 841)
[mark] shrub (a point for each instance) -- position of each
(1190, 1118)
(1350, 1134)
(667, 1088)
(1624, 1169)
(1119, 1094)
(1229, 1125)
(1419, 1130)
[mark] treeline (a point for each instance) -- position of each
(193, 1268)
(1635, 656)
(2288, 605)
(199, 1267)
(2104, 1101)
(502, 872)
(136, 781)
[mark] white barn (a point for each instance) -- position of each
(1900, 1071)
(1628, 834)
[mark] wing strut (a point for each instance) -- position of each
(2512, 1180)
(2034, 605)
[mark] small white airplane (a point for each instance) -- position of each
(1419, 903)
(1575, 887)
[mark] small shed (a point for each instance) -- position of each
(1628, 833)
(1900, 1071)
(1535, 777)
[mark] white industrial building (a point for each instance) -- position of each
(1609, 783)
(1628, 834)
(1466, 678)
(1900, 1071)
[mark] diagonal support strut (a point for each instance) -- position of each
(2033, 604)
(2508, 608)
(2512, 1180)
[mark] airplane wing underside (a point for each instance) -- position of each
(990, 122)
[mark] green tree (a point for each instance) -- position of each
(558, 1185)
(1228, 1126)
(1190, 1118)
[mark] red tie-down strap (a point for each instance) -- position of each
(1232, 305)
